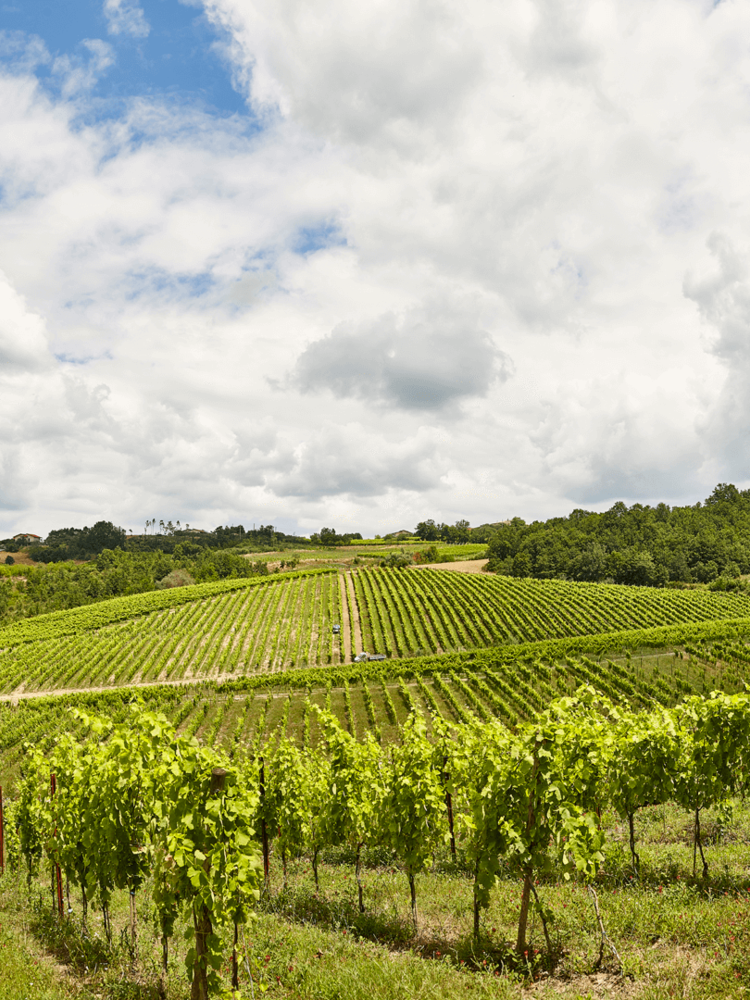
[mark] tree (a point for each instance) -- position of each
(724, 493)
(428, 531)
(463, 531)
(522, 565)
(103, 535)
(590, 564)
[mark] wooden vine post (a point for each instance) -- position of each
(264, 828)
(57, 873)
(449, 806)
(201, 916)
(528, 874)
(235, 964)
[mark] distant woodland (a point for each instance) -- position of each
(708, 542)
(33, 590)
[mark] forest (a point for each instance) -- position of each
(708, 542)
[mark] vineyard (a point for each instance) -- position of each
(536, 776)
(281, 623)
(377, 698)
(190, 831)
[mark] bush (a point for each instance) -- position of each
(9, 561)
(429, 555)
(177, 578)
(397, 560)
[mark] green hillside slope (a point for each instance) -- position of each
(284, 622)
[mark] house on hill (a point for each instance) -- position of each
(27, 539)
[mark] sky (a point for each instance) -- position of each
(355, 265)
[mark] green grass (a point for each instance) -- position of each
(26, 971)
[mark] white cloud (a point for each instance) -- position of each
(23, 345)
(126, 17)
(723, 299)
(21, 52)
(428, 359)
(353, 460)
(80, 73)
(434, 189)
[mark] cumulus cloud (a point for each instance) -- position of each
(126, 17)
(78, 74)
(419, 194)
(723, 300)
(23, 344)
(426, 359)
(357, 462)
(22, 53)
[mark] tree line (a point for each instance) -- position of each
(708, 542)
(113, 573)
(84, 543)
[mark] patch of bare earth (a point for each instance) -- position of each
(346, 628)
(465, 566)
(19, 693)
(19, 558)
(356, 627)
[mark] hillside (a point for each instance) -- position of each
(285, 622)
(253, 669)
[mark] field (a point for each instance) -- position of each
(251, 666)
(285, 622)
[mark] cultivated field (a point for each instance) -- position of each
(285, 622)
(252, 671)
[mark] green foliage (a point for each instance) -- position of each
(640, 545)
(455, 534)
(328, 537)
(397, 560)
(136, 799)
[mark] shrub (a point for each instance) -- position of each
(177, 578)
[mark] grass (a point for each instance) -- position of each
(26, 972)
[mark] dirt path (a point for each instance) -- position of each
(466, 566)
(356, 628)
(346, 628)
(19, 694)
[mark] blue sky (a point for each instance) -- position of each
(355, 265)
(179, 57)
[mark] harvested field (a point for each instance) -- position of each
(465, 566)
